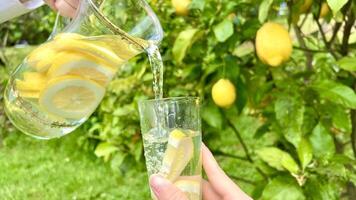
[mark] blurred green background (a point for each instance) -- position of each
(290, 134)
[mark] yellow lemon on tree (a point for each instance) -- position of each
(224, 93)
(305, 6)
(273, 44)
(324, 11)
(181, 6)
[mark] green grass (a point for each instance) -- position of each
(60, 169)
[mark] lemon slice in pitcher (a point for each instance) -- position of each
(41, 58)
(71, 63)
(32, 81)
(89, 47)
(63, 36)
(71, 97)
(178, 154)
(29, 94)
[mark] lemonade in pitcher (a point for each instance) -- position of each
(61, 83)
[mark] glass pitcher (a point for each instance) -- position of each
(61, 83)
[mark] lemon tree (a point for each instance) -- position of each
(290, 133)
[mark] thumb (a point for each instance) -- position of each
(165, 190)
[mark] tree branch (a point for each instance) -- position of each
(353, 123)
(309, 50)
(242, 179)
(220, 153)
(244, 146)
(347, 31)
(321, 31)
(326, 43)
(353, 134)
(301, 41)
(335, 31)
(304, 20)
(351, 190)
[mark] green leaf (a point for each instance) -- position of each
(184, 40)
(322, 142)
(212, 116)
(244, 49)
(336, 5)
(138, 151)
(332, 170)
(282, 188)
(124, 110)
(341, 118)
(337, 93)
(290, 114)
(104, 149)
(352, 178)
(317, 188)
(263, 10)
(348, 64)
(278, 159)
(116, 161)
(246, 125)
(224, 30)
(197, 4)
(305, 152)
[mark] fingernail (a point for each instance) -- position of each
(157, 182)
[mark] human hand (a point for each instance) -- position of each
(219, 185)
(66, 8)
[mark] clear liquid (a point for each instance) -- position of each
(152, 51)
(157, 70)
(60, 84)
(156, 145)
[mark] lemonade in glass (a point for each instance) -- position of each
(171, 131)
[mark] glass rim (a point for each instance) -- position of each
(170, 99)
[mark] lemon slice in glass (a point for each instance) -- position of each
(190, 187)
(179, 152)
(73, 63)
(71, 97)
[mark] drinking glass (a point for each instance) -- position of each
(60, 83)
(171, 130)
